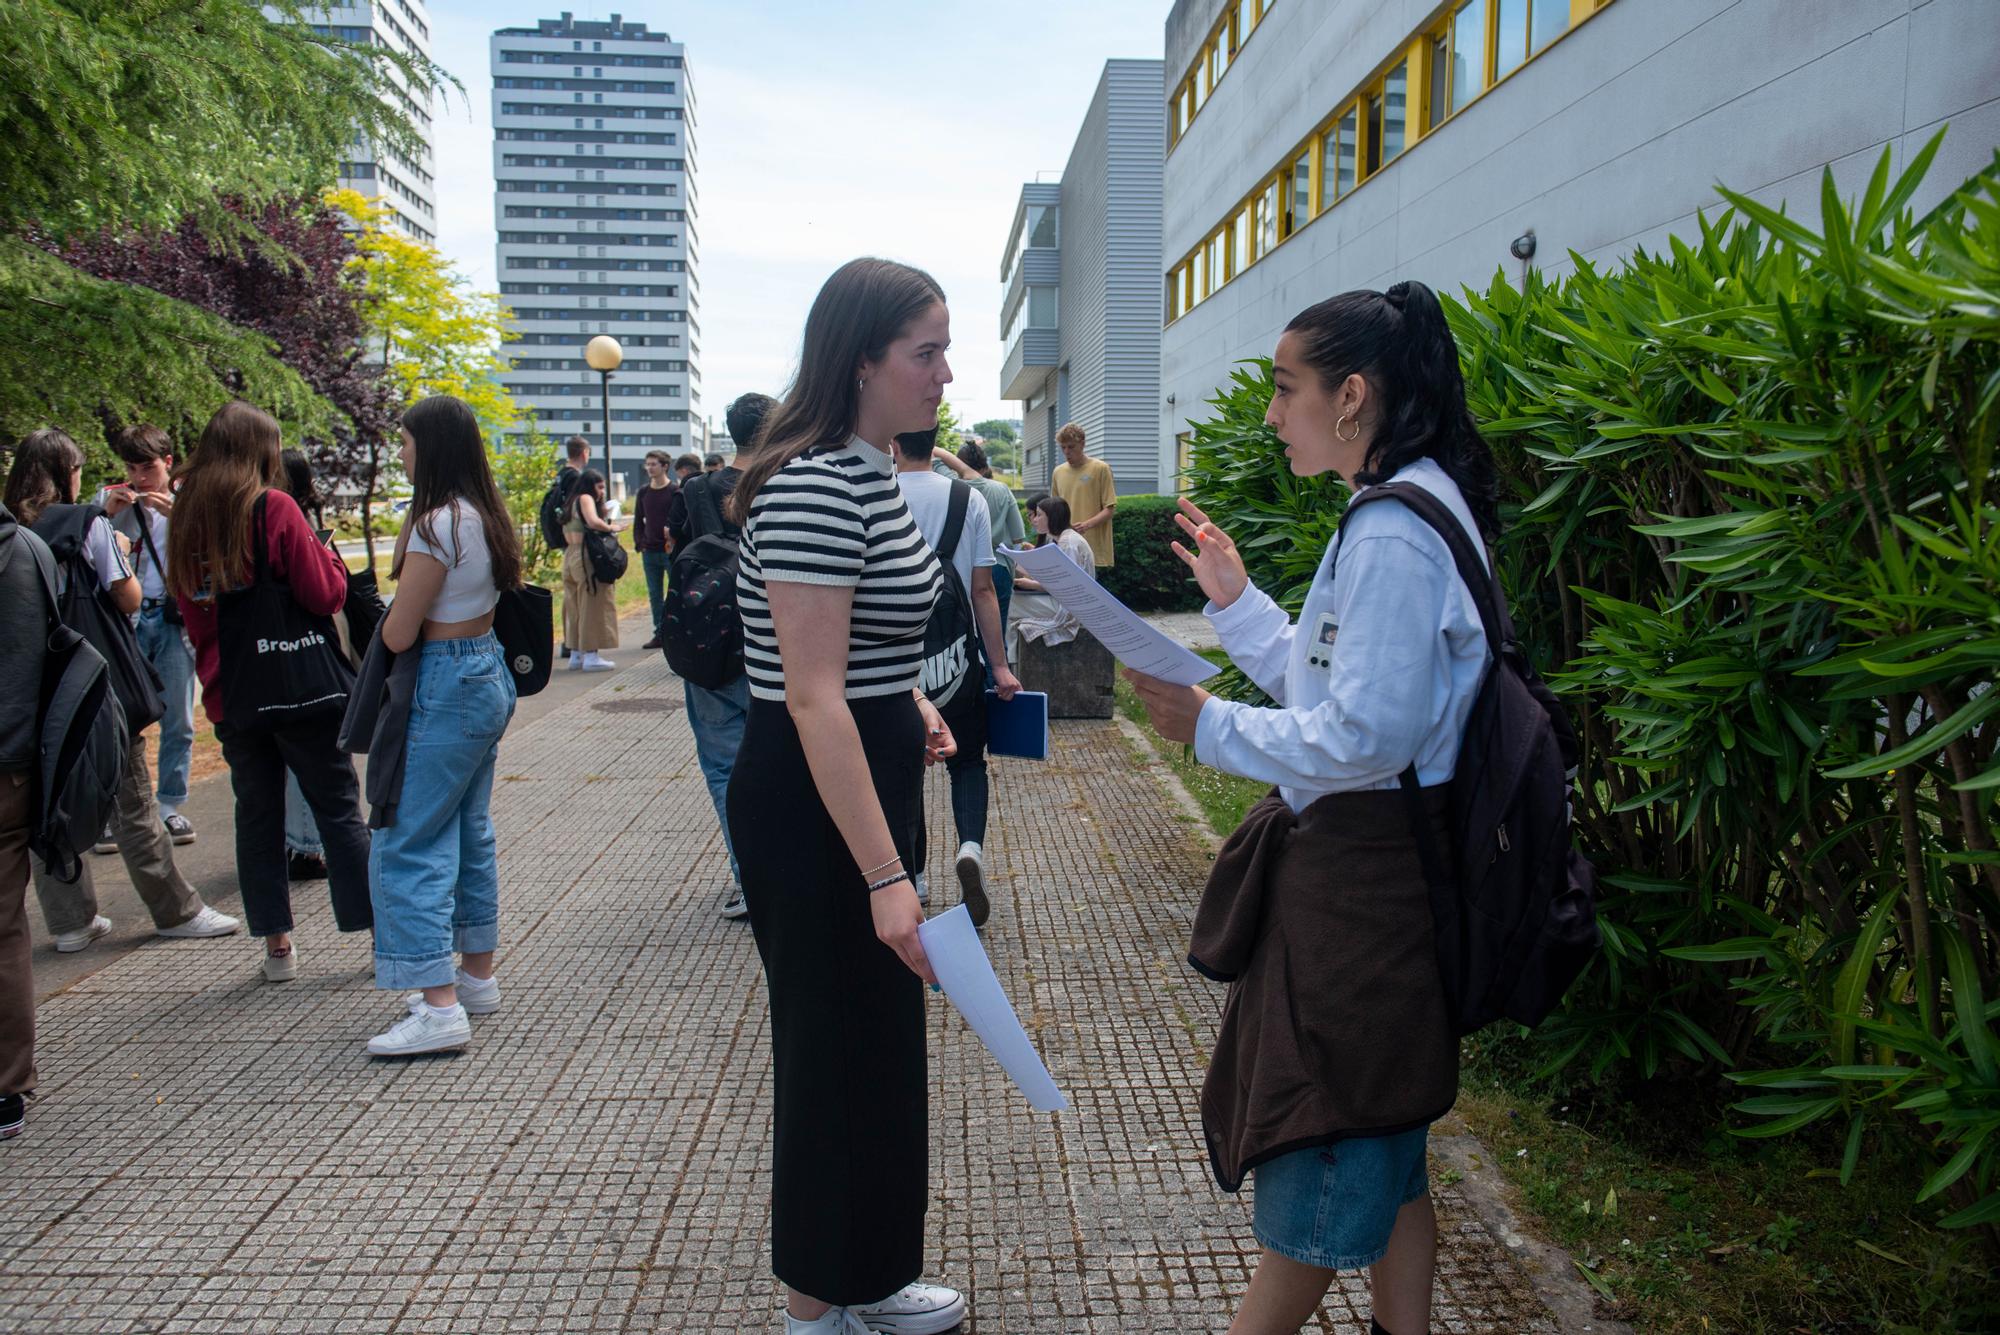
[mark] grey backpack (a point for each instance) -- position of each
(81, 743)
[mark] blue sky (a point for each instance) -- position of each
(829, 129)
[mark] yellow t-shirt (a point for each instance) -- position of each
(1087, 491)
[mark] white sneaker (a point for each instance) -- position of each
(205, 923)
(281, 968)
(737, 907)
(915, 1309)
(836, 1321)
(593, 662)
(972, 882)
(923, 888)
(575, 661)
(71, 942)
(105, 843)
(423, 1031)
(478, 998)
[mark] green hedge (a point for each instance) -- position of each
(1147, 576)
(1751, 539)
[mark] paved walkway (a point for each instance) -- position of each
(211, 1153)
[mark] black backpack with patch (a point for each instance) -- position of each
(85, 607)
(701, 630)
(550, 516)
(949, 656)
(1513, 906)
(81, 741)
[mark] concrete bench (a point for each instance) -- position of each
(1077, 676)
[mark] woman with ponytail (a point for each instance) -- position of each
(835, 588)
(1335, 1053)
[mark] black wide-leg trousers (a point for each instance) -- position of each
(851, 1163)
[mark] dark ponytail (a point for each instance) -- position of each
(1399, 342)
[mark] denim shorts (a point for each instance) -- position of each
(1334, 1206)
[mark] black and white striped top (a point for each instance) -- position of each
(835, 515)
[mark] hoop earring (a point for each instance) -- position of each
(1344, 419)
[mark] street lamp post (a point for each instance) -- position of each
(604, 356)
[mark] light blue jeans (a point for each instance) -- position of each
(166, 648)
(434, 875)
(717, 719)
(301, 830)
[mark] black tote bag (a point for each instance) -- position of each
(279, 664)
(524, 623)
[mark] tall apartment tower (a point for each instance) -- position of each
(406, 184)
(593, 157)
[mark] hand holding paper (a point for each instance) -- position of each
(1133, 640)
(966, 976)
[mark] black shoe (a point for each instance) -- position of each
(13, 1112)
(562, 648)
(307, 867)
(180, 827)
(653, 643)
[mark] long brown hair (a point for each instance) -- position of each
(43, 474)
(451, 465)
(236, 461)
(864, 307)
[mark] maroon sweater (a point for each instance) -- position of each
(317, 575)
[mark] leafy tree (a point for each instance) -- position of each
(125, 121)
(996, 428)
(947, 436)
(294, 284)
(432, 334)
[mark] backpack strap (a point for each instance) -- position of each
(713, 504)
(954, 519)
(1479, 580)
(46, 564)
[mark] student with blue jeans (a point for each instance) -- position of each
(141, 510)
(717, 715)
(434, 874)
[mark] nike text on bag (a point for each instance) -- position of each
(948, 653)
(701, 629)
(279, 664)
(81, 747)
(523, 622)
(1514, 907)
(85, 607)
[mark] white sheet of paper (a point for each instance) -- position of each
(1132, 640)
(966, 975)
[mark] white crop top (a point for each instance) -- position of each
(461, 548)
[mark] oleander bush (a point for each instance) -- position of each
(1749, 539)
(1147, 576)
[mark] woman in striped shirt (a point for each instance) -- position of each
(835, 587)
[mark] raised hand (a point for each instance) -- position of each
(1217, 565)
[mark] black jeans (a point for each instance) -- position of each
(966, 767)
(258, 759)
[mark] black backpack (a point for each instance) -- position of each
(81, 742)
(948, 653)
(550, 515)
(85, 607)
(1514, 910)
(701, 630)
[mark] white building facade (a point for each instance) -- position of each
(1317, 146)
(594, 169)
(404, 182)
(1079, 309)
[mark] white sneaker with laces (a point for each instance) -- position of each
(575, 661)
(972, 882)
(915, 1309)
(836, 1321)
(423, 1030)
(595, 662)
(205, 923)
(71, 942)
(737, 907)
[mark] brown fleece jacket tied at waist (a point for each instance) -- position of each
(1335, 1022)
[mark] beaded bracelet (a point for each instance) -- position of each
(884, 867)
(887, 881)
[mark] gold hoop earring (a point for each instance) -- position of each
(1346, 418)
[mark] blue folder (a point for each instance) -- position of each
(1018, 727)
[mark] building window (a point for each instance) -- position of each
(1239, 242)
(1298, 202)
(1267, 221)
(1336, 174)
(1550, 20)
(1510, 37)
